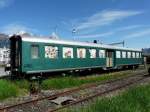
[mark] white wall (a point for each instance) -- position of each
(4, 55)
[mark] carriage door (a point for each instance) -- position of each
(109, 58)
(15, 54)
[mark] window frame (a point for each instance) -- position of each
(129, 56)
(124, 54)
(72, 54)
(137, 55)
(104, 53)
(31, 53)
(54, 46)
(91, 53)
(140, 54)
(117, 55)
(77, 55)
(133, 56)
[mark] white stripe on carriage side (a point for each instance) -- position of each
(53, 70)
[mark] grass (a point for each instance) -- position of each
(134, 100)
(7, 89)
(23, 84)
(21, 87)
(68, 82)
(13, 88)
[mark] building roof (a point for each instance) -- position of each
(66, 42)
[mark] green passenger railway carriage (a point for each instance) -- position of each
(31, 55)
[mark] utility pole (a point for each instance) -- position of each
(55, 29)
(73, 33)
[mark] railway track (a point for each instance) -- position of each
(111, 86)
(96, 95)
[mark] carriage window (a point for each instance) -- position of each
(140, 55)
(123, 54)
(81, 53)
(129, 54)
(102, 53)
(34, 51)
(67, 52)
(51, 52)
(133, 54)
(92, 53)
(118, 54)
(137, 55)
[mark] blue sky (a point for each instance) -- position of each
(105, 20)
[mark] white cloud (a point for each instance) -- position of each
(5, 3)
(106, 18)
(138, 34)
(131, 27)
(95, 35)
(114, 31)
(16, 28)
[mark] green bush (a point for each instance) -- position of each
(7, 89)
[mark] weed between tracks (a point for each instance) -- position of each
(135, 99)
(67, 82)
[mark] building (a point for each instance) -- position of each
(4, 55)
(146, 52)
(4, 49)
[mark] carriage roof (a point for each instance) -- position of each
(66, 42)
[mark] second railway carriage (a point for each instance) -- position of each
(39, 55)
